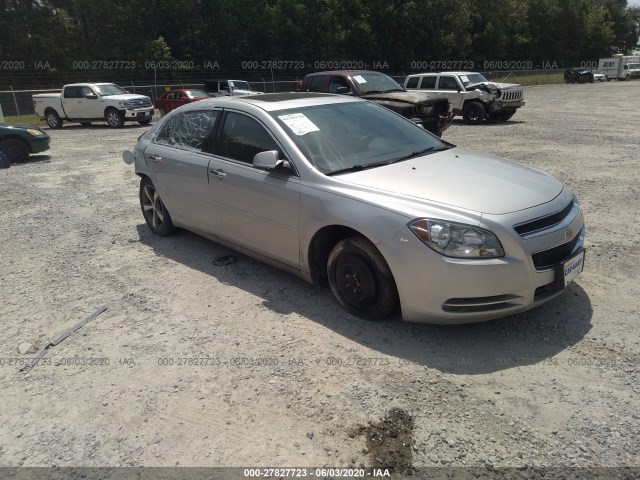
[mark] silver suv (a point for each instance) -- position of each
(471, 94)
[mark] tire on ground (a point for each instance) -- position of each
(17, 150)
(153, 210)
(361, 280)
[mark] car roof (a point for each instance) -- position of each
(84, 84)
(271, 102)
(182, 90)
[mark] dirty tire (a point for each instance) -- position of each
(155, 213)
(15, 149)
(361, 279)
(115, 118)
(53, 119)
(144, 122)
(474, 113)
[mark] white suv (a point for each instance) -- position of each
(471, 94)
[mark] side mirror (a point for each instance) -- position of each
(269, 160)
(91, 96)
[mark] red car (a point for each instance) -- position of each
(176, 98)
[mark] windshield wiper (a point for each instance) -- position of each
(355, 168)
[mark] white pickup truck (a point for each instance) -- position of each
(93, 102)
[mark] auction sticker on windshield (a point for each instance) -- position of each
(299, 123)
(573, 267)
(359, 79)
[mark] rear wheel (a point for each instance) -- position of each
(361, 279)
(474, 113)
(16, 150)
(153, 210)
(115, 118)
(53, 119)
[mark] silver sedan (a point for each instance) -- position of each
(341, 191)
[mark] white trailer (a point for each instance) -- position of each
(622, 67)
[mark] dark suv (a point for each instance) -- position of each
(578, 75)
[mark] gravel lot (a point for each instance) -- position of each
(284, 376)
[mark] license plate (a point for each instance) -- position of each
(572, 267)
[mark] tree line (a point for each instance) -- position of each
(229, 32)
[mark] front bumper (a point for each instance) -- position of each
(139, 113)
(438, 123)
(438, 289)
(39, 144)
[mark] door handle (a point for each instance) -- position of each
(155, 158)
(220, 174)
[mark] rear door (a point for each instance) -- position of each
(71, 101)
(179, 167)
(449, 87)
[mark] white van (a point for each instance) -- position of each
(622, 67)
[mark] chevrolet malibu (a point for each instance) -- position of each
(342, 191)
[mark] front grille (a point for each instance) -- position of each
(140, 102)
(543, 222)
(549, 258)
(511, 95)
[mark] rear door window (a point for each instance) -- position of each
(428, 83)
(189, 130)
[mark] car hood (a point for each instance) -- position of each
(19, 129)
(127, 97)
(19, 126)
(237, 91)
(412, 98)
(463, 179)
(493, 85)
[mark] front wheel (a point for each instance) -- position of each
(153, 210)
(361, 279)
(16, 150)
(115, 118)
(53, 119)
(474, 113)
(144, 122)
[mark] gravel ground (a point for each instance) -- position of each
(283, 376)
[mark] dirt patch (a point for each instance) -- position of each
(389, 442)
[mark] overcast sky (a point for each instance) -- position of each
(633, 3)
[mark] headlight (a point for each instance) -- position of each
(456, 239)
(35, 133)
(426, 109)
(126, 105)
